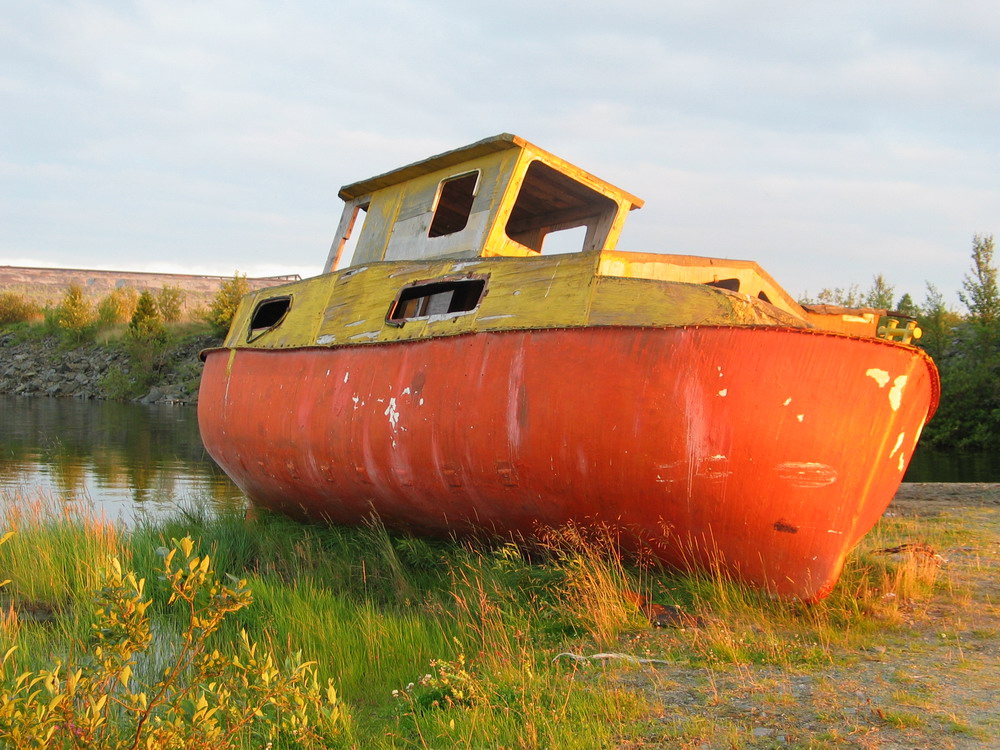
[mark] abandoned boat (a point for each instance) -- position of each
(457, 377)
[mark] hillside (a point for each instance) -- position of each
(46, 286)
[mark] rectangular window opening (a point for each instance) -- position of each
(454, 204)
(436, 298)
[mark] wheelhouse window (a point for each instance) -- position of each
(454, 204)
(549, 202)
(446, 297)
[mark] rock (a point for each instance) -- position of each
(42, 367)
(154, 395)
(665, 615)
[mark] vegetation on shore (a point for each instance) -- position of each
(150, 328)
(447, 644)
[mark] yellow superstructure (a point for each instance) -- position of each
(462, 242)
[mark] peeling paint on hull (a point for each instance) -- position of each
(512, 431)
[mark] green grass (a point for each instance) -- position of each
(446, 644)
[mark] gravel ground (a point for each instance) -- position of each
(930, 681)
(946, 494)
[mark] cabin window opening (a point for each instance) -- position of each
(563, 241)
(732, 285)
(268, 314)
(436, 298)
(550, 201)
(763, 296)
(454, 204)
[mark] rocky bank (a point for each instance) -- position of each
(48, 367)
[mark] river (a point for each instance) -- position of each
(128, 460)
(131, 461)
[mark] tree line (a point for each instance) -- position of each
(965, 345)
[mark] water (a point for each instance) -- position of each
(129, 460)
(929, 465)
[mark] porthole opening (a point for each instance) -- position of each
(732, 285)
(268, 314)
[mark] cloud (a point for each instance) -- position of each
(830, 142)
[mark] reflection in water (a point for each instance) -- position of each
(929, 465)
(128, 459)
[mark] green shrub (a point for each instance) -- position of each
(117, 307)
(50, 322)
(118, 385)
(170, 303)
(75, 314)
(133, 686)
(15, 308)
(146, 344)
(227, 300)
(146, 323)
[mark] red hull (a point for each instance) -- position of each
(769, 450)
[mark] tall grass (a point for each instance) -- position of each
(57, 551)
(449, 644)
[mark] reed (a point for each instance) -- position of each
(55, 556)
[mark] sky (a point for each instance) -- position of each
(830, 142)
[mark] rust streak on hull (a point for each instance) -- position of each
(770, 450)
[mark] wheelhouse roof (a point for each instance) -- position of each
(468, 153)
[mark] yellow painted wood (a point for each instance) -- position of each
(473, 153)
(400, 214)
(401, 205)
(310, 298)
(525, 289)
(463, 155)
(697, 270)
(498, 243)
(349, 308)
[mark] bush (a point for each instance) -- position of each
(145, 342)
(170, 303)
(146, 323)
(50, 322)
(117, 307)
(75, 314)
(15, 308)
(227, 300)
(118, 385)
(205, 698)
